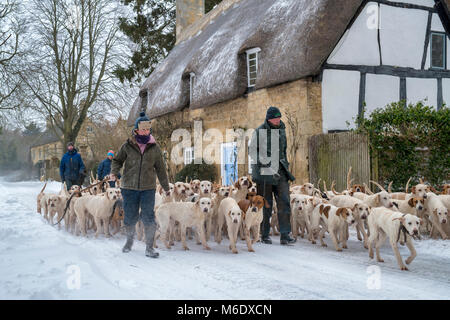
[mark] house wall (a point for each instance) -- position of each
(302, 98)
(385, 45)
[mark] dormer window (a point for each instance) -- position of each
(252, 66)
(191, 86)
(438, 50)
(144, 99)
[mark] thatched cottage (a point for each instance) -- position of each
(321, 61)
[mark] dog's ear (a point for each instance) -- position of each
(342, 212)
(250, 183)
(413, 190)
(363, 189)
(266, 203)
(321, 208)
(351, 193)
(354, 207)
(326, 210)
(229, 213)
(411, 202)
(243, 215)
(292, 201)
(237, 185)
(378, 199)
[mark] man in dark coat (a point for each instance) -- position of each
(142, 160)
(270, 171)
(104, 168)
(71, 167)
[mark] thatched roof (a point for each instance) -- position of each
(295, 37)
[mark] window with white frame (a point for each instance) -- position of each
(252, 66)
(438, 50)
(188, 155)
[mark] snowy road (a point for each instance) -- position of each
(38, 261)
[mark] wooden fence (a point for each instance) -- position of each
(331, 155)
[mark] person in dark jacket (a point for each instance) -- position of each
(142, 160)
(71, 168)
(104, 168)
(270, 171)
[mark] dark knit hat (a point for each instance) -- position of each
(70, 144)
(272, 113)
(142, 117)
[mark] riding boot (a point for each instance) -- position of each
(149, 240)
(130, 236)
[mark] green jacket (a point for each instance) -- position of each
(266, 149)
(140, 170)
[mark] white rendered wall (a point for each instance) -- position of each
(381, 90)
(421, 89)
(340, 98)
(446, 91)
(359, 45)
(402, 36)
(426, 3)
(436, 24)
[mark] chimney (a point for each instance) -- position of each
(188, 12)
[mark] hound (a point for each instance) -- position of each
(55, 205)
(222, 193)
(334, 221)
(231, 213)
(301, 208)
(360, 211)
(241, 188)
(437, 213)
(385, 223)
(252, 218)
(187, 214)
(100, 207)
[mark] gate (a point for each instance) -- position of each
(331, 155)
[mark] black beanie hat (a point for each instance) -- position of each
(272, 113)
(70, 144)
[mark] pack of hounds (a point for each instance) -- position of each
(202, 209)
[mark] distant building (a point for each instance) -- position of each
(48, 150)
(323, 60)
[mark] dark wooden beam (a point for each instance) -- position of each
(391, 71)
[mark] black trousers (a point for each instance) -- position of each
(281, 193)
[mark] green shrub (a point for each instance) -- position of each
(197, 171)
(409, 141)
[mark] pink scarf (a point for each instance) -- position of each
(143, 146)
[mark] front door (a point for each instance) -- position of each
(229, 167)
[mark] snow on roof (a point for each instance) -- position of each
(295, 37)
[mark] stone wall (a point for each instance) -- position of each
(301, 98)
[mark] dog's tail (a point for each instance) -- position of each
(44, 187)
(349, 174)
(390, 186)
(407, 184)
(332, 188)
(117, 205)
(366, 187)
(378, 185)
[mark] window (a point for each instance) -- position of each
(438, 50)
(191, 86)
(188, 155)
(143, 94)
(252, 66)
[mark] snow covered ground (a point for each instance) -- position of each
(38, 261)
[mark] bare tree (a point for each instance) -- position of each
(10, 33)
(294, 141)
(69, 75)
